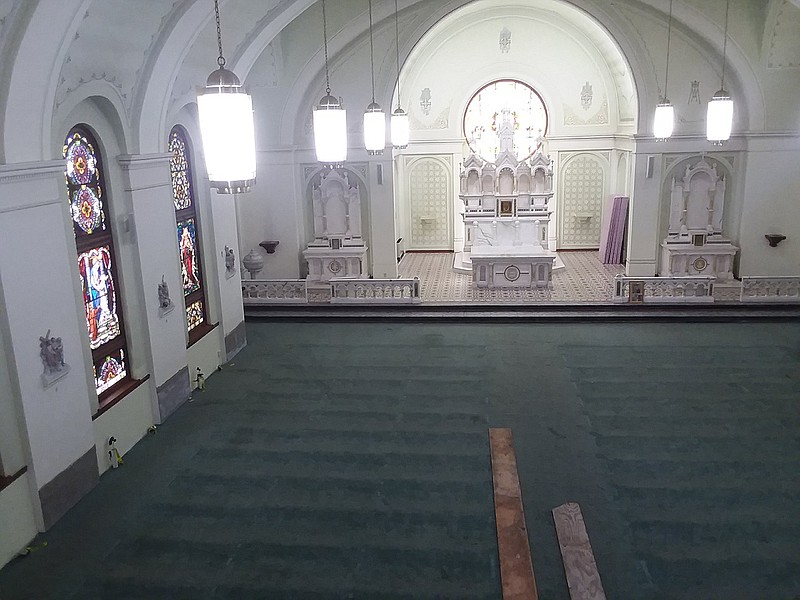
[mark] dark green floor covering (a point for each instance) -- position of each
(350, 460)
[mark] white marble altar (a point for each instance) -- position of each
(695, 244)
(337, 249)
(506, 216)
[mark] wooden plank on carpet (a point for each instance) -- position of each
(576, 551)
(516, 567)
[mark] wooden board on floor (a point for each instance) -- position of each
(516, 567)
(579, 564)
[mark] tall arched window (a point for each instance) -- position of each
(188, 230)
(97, 261)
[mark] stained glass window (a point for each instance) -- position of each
(194, 314)
(96, 259)
(112, 370)
(179, 167)
(187, 243)
(83, 175)
(188, 231)
(99, 297)
(491, 105)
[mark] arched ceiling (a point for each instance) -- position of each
(154, 52)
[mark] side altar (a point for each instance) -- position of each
(695, 244)
(337, 249)
(507, 216)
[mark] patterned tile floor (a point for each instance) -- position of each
(583, 279)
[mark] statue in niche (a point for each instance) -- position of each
(51, 351)
(165, 303)
(230, 262)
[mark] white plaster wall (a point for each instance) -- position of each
(58, 418)
(771, 206)
(127, 421)
(206, 354)
(12, 448)
(223, 208)
(147, 182)
(548, 51)
(17, 521)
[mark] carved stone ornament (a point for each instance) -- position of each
(165, 303)
(51, 351)
(253, 263)
(694, 92)
(230, 262)
(425, 101)
(586, 96)
(505, 40)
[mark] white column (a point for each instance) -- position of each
(643, 217)
(383, 233)
(39, 285)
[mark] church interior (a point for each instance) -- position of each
(177, 417)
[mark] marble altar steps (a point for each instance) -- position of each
(702, 457)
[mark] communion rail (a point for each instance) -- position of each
(375, 291)
(663, 290)
(274, 291)
(770, 289)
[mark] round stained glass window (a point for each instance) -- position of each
(504, 104)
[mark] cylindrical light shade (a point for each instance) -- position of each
(664, 120)
(374, 129)
(225, 112)
(399, 128)
(719, 118)
(330, 131)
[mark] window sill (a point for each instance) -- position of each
(122, 391)
(201, 332)
(8, 480)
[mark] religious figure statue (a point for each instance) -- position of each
(51, 351)
(165, 303)
(230, 261)
(163, 294)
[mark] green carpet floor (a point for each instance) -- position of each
(350, 460)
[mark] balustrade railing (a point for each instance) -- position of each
(274, 291)
(770, 289)
(375, 291)
(654, 290)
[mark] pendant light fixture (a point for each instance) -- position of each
(664, 121)
(330, 118)
(374, 117)
(399, 123)
(719, 118)
(225, 113)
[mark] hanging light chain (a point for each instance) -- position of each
(220, 58)
(371, 52)
(325, 42)
(725, 43)
(397, 48)
(669, 37)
